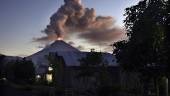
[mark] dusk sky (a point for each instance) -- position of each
(23, 20)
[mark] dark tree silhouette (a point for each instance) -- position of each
(167, 25)
(144, 51)
(1, 74)
(88, 63)
(1, 65)
(58, 65)
(20, 71)
(94, 66)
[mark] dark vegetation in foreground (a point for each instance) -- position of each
(18, 78)
(146, 53)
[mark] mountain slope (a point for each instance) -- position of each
(70, 55)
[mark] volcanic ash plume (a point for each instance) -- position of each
(73, 17)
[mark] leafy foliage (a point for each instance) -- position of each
(58, 65)
(94, 66)
(1, 65)
(88, 63)
(147, 49)
(24, 70)
(20, 71)
(145, 23)
(167, 32)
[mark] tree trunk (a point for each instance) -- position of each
(157, 86)
(166, 85)
(146, 87)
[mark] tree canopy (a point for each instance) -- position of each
(1, 65)
(20, 71)
(145, 24)
(147, 49)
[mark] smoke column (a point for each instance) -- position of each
(73, 17)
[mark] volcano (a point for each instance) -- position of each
(70, 54)
(60, 46)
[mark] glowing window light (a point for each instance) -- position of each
(49, 77)
(4, 79)
(50, 68)
(38, 76)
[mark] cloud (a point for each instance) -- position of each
(71, 43)
(50, 37)
(81, 47)
(103, 37)
(73, 17)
